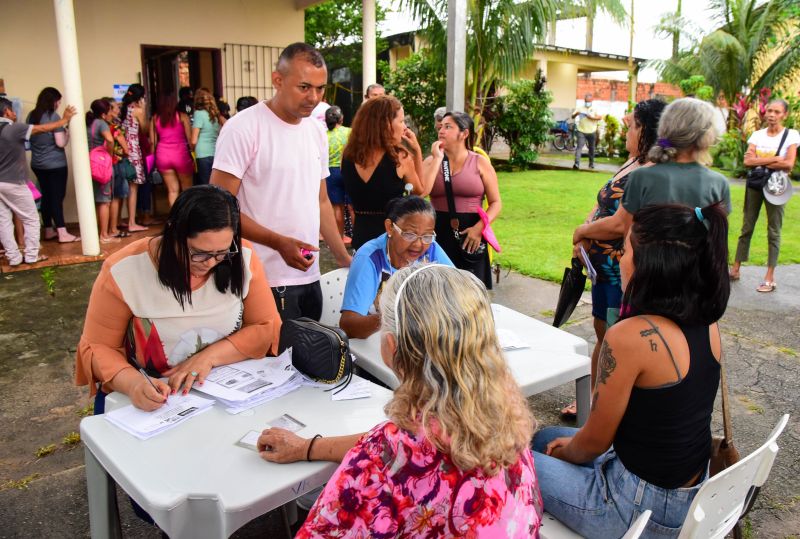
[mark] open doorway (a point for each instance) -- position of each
(168, 68)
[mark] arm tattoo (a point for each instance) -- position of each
(606, 362)
(648, 332)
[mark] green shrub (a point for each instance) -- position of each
(622, 150)
(728, 154)
(610, 134)
(419, 84)
(525, 119)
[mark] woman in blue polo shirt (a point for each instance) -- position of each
(409, 238)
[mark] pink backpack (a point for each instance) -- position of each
(100, 163)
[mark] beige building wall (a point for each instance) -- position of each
(110, 35)
(562, 81)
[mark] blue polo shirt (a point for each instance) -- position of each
(370, 268)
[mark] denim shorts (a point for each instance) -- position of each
(121, 188)
(335, 185)
(602, 498)
(605, 296)
(102, 193)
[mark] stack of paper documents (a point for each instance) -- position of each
(145, 425)
(510, 340)
(247, 384)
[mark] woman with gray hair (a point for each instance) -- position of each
(679, 175)
(452, 459)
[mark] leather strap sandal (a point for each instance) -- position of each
(767, 286)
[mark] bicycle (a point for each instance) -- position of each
(564, 137)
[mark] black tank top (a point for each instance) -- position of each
(665, 435)
(369, 198)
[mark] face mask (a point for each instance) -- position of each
(587, 104)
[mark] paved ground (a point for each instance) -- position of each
(38, 334)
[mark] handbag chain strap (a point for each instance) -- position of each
(451, 202)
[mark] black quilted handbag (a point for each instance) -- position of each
(320, 352)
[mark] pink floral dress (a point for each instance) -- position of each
(396, 484)
(135, 156)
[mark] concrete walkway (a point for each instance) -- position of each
(40, 407)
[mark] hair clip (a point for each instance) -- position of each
(665, 143)
(699, 213)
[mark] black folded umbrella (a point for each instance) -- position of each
(571, 290)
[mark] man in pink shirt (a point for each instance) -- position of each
(274, 157)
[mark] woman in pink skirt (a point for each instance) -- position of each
(169, 132)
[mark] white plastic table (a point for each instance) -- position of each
(554, 357)
(195, 482)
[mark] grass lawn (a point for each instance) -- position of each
(542, 208)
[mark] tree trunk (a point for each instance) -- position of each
(589, 29)
(676, 35)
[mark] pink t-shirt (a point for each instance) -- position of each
(281, 166)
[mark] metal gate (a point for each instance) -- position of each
(248, 71)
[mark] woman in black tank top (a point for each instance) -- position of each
(647, 442)
(382, 156)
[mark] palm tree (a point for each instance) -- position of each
(573, 9)
(501, 37)
(757, 45)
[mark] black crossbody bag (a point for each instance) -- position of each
(320, 352)
(757, 176)
(479, 253)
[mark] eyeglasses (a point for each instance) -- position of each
(203, 256)
(410, 237)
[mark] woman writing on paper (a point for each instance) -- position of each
(472, 178)
(452, 459)
(177, 305)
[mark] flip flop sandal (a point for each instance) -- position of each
(767, 286)
(122, 234)
(571, 410)
(73, 240)
(40, 258)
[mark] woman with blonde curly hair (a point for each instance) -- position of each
(206, 123)
(680, 174)
(382, 156)
(452, 458)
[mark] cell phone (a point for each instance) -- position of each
(305, 253)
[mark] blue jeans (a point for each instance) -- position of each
(587, 139)
(204, 166)
(602, 498)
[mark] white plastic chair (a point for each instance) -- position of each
(722, 500)
(554, 529)
(638, 526)
(332, 284)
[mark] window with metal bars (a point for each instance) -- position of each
(248, 70)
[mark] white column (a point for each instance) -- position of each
(73, 95)
(368, 54)
(456, 53)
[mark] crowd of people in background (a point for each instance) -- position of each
(245, 249)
